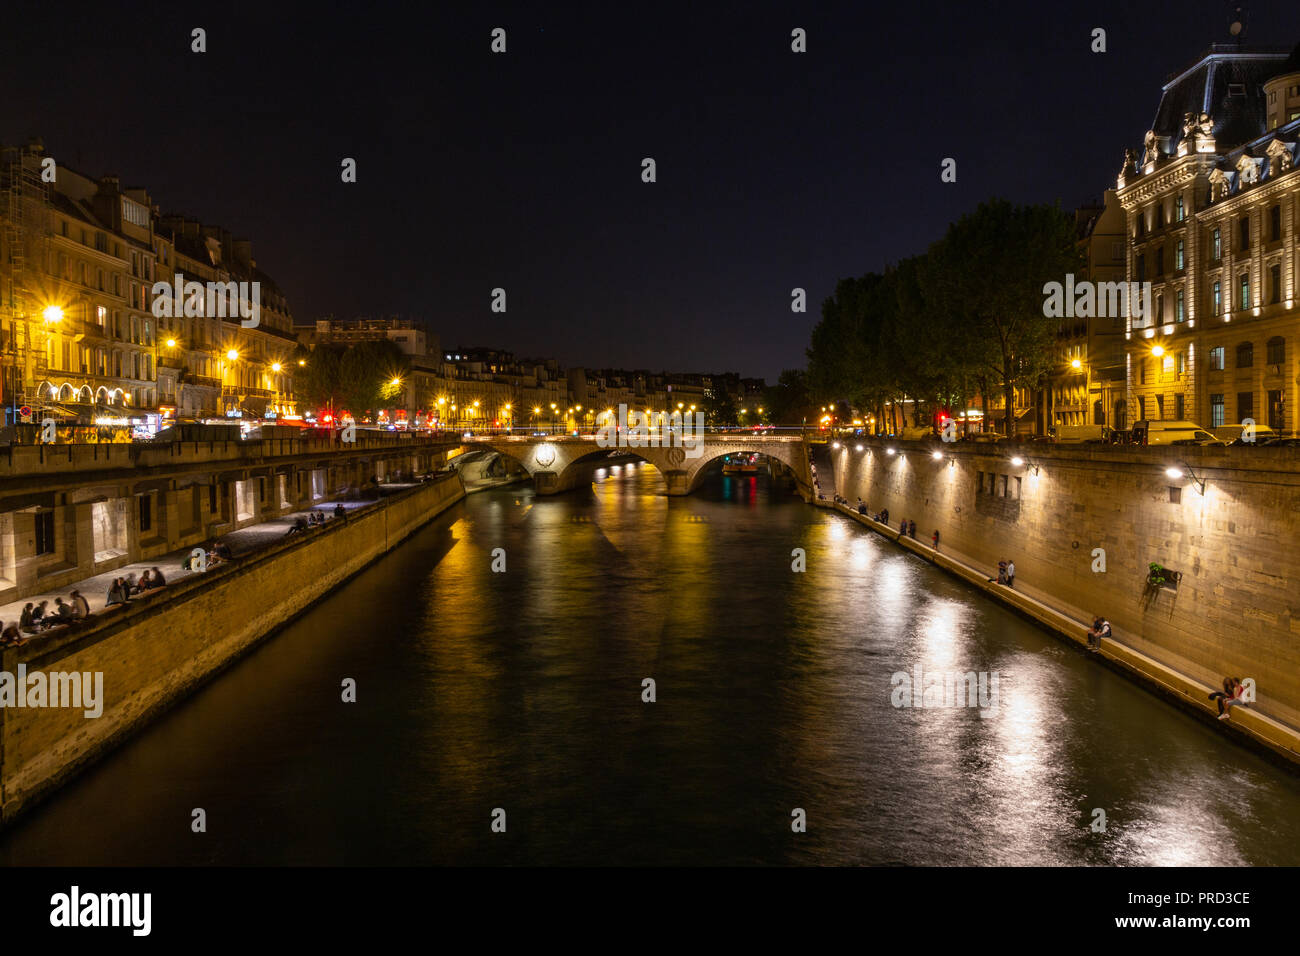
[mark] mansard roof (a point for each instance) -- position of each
(1228, 83)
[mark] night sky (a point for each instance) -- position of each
(522, 170)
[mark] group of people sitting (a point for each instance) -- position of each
(214, 555)
(313, 519)
(121, 590)
(41, 617)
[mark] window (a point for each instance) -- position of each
(1277, 350)
(1245, 406)
(1275, 410)
(1216, 245)
(1216, 411)
(1160, 261)
(1275, 222)
(1243, 230)
(1142, 268)
(1178, 306)
(1160, 309)
(212, 499)
(1178, 257)
(1160, 214)
(1243, 283)
(1179, 213)
(1160, 407)
(45, 532)
(1179, 407)
(1275, 283)
(1217, 297)
(1142, 371)
(146, 512)
(1245, 355)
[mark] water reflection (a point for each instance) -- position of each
(523, 690)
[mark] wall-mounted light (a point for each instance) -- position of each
(859, 448)
(937, 455)
(889, 451)
(1174, 474)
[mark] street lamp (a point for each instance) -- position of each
(52, 315)
(232, 354)
(171, 343)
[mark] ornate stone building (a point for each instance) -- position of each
(1212, 208)
(80, 337)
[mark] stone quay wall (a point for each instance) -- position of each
(156, 651)
(1084, 522)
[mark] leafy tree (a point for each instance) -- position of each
(787, 402)
(987, 275)
(720, 410)
(357, 378)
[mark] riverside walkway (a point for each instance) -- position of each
(1178, 679)
(242, 543)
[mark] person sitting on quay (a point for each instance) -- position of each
(1100, 628)
(80, 606)
(934, 539)
(862, 507)
(10, 636)
(62, 614)
(116, 593)
(340, 511)
(156, 580)
(27, 622)
(299, 525)
(146, 581)
(1234, 696)
(129, 585)
(222, 551)
(38, 614)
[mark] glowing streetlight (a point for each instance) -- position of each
(1076, 364)
(302, 361)
(52, 314)
(275, 366)
(232, 354)
(1157, 350)
(395, 382)
(171, 343)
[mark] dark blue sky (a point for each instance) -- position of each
(477, 170)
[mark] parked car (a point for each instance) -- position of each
(1172, 433)
(1236, 435)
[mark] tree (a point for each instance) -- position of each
(719, 409)
(787, 402)
(987, 275)
(358, 378)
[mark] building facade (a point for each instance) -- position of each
(83, 338)
(1211, 207)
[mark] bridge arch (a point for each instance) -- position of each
(553, 461)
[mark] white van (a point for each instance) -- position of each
(1167, 433)
(1075, 434)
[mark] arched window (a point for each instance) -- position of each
(1277, 350)
(1245, 355)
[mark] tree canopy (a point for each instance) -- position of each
(964, 318)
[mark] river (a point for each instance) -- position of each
(775, 691)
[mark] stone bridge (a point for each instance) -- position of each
(555, 462)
